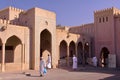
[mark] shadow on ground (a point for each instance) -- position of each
(113, 71)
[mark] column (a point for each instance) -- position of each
(67, 55)
(3, 57)
(23, 57)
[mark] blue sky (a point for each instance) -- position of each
(68, 12)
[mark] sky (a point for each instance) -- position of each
(68, 12)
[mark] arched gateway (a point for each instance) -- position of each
(63, 54)
(104, 57)
(80, 52)
(45, 44)
(13, 48)
(71, 51)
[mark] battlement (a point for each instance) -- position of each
(85, 25)
(12, 9)
(2, 21)
(15, 9)
(63, 29)
(113, 10)
(103, 10)
(6, 22)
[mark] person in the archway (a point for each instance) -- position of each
(49, 62)
(94, 60)
(74, 62)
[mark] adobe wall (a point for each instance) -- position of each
(4, 14)
(104, 30)
(64, 34)
(39, 20)
(10, 13)
(117, 38)
(22, 33)
(87, 29)
(46, 20)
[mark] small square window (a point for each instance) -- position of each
(103, 19)
(99, 20)
(106, 19)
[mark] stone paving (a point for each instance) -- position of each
(86, 73)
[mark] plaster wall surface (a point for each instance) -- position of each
(28, 26)
(22, 33)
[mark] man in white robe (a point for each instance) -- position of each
(74, 62)
(49, 62)
(42, 66)
(94, 60)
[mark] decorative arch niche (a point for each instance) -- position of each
(13, 50)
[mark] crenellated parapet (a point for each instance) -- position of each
(105, 15)
(12, 9)
(63, 29)
(103, 10)
(3, 24)
(116, 11)
(112, 10)
(15, 9)
(2, 21)
(7, 22)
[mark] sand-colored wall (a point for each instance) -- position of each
(39, 20)
(22, 33)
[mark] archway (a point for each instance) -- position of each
(104, 57)
(71, 51)
(13, 53)
(63, 53)
(45, 44)
(79, 52)
(86, 52)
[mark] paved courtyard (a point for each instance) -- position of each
(87, 73)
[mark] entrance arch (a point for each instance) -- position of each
(71, 51)
(63, 53)
(104, 56)
(86, 52)
(13, 53)
(80, 51)
(45, 44)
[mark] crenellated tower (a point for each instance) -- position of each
(105, 30)
(11, 14)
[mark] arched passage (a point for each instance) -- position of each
(104, 56)
(45, 44)
(71, 51)
(13, 53)
(80, 51)
(63, 53)
(86, 51)
(63, 50)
